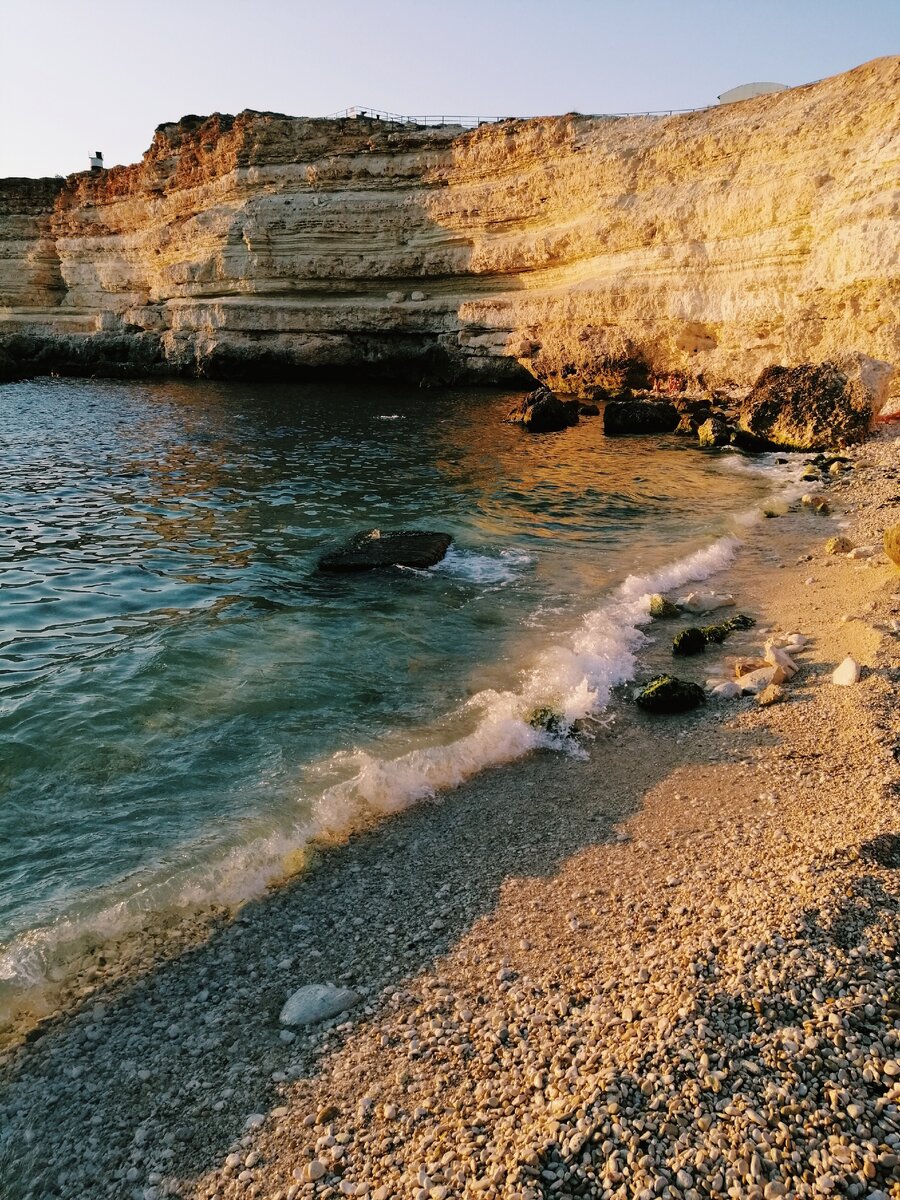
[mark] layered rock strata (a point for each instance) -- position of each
(709, 245)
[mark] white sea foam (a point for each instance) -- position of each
(484, 568)
(573, 678)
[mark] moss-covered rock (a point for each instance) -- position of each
(666, 694)
(714, 432)
(689, 641)
(662, 609)
(695, 639)
(720, 631)
(549, 720)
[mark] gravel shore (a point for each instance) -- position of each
(667, 970)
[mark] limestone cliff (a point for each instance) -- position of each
(713, 243)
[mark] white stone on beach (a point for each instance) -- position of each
(754, 682)
(701, 602)
(315, 1170)
(317, 1002)
(730, 690)
(795, 642)
(780, 658)
(847, 673)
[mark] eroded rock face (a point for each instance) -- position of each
(372, 549)
(615, 250)
(809, 407)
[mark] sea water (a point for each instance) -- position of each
(185, 702)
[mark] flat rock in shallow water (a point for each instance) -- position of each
(689, 641)
(400, 548)
(316, 1002)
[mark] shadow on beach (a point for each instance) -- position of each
(161, 1074)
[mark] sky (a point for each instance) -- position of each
(82, 75)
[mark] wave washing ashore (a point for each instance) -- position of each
(216, 706)
(667, 968)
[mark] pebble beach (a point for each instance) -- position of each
(668, 968)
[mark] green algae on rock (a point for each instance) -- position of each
(667, 694)
(662, 609)
(694, 639)
(689, 641)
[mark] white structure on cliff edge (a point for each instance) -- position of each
(748, 90)
(97, 161)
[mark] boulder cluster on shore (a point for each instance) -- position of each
(805, 407)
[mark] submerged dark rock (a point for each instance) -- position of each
(550, 721)
(666, 694)
(621, 417)
(542, 412)
(371, 549)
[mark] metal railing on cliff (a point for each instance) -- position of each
(358, 112)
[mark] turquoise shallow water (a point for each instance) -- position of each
(175, 679)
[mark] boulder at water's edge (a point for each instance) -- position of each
(542, 412)
(815, 405)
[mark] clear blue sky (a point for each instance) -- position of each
(79, 75)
